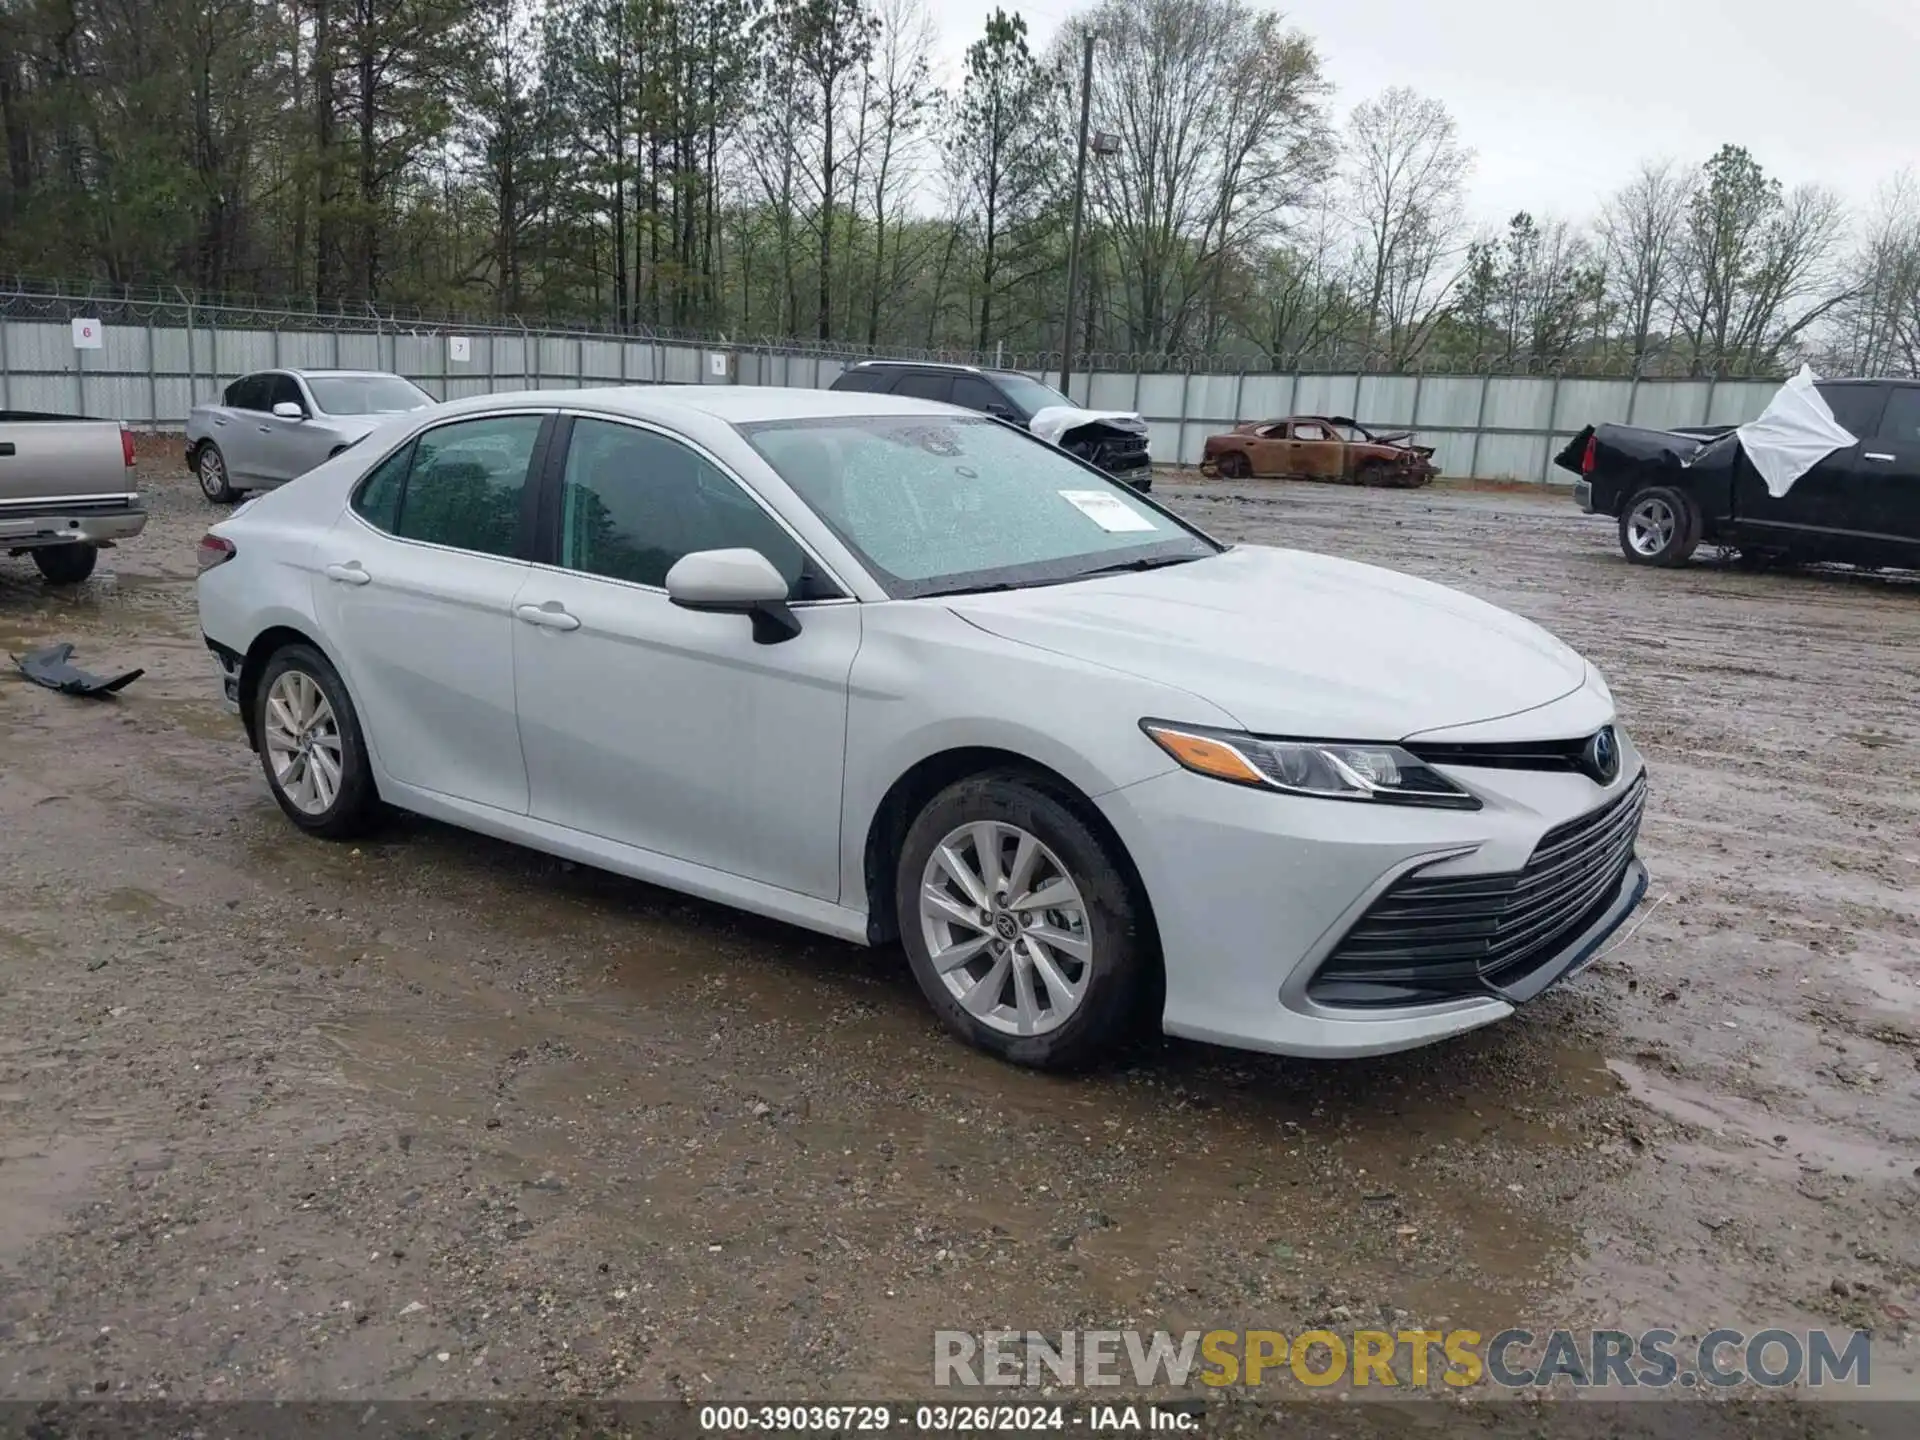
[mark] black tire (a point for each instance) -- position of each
(210, 468)
(1646, 540)
(1234, 466)
(356, 802)
(66, 564)
(1122, 961)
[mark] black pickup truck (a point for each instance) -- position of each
(1669, 490)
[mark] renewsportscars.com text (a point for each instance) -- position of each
(1512, 1359)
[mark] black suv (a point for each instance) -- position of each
(1116, 443)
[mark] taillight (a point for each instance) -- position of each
(214, 550)
(1587, 455)
(126, 446)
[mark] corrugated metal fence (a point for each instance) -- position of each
(1483, 426)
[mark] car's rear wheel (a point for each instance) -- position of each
(311, 746)
(1023, 929)
(1659, 526)
(1234, 466)
(66, 564)
(211, 467)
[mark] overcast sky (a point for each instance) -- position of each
(1561, 98)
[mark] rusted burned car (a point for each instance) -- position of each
(1318, 447)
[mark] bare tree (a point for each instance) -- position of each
(1877, 329)
(1218, 110)
(1407, 174)
(903, 98)
(1640, 230)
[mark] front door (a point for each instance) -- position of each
(668, 729)
(1826, 508)
(1317, 451)
(281, 444)
(416, 585)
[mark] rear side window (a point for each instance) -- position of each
(924, 386)
(1857, 407)
(377, 501)
(1902, 418)
(867, 380)
(459, 485)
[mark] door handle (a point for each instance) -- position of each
(1880, 456)
(348, 574)
(218, 421)
(6, 447)
(266, 429)
(548, 617)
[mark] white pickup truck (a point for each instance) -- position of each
(66, 491)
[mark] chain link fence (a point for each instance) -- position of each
(158, 351)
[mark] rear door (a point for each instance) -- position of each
(415, 587)
(1888, 473)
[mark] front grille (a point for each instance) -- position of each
(1427, 938)
(1513, 755)
(1116, 457)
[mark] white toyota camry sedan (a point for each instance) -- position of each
(896, 671)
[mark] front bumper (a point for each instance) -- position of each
(1252, 892)
(30, 525)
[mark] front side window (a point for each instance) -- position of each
(938, 504)
(465, 484)
(366, 394)
(922, 386)
(1901, 422)
(248, 393)
(1029, 394)
(636, 501)
(1856, 407)
(281, 390)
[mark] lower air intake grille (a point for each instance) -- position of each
(1429, 939)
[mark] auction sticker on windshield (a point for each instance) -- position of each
(1109, 512)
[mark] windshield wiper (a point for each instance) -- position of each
(1147, 562)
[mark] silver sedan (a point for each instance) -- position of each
(274, 425)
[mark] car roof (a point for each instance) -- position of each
(1887, 380)
(729, 404)
(919, 365)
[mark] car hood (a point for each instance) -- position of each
(1054, 421)
(1292, 643)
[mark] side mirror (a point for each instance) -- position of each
(287, 410)
(735, 582)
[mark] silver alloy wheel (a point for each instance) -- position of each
(303, 742)
(1650, 528)
(213, 473)
(1006, 928)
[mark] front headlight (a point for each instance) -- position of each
(1329, 769)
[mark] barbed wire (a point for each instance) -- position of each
(29, 298)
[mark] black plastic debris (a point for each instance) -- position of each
(53, 667)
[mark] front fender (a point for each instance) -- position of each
(926, 683)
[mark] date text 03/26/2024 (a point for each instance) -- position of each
(947, 1418)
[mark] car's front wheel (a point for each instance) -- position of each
(311, 747)
(1023, 928)
(1234, 466)
(1659, 526)
(211, 467)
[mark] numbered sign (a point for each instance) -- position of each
(86, 334)
(717, 364)
(460, 348)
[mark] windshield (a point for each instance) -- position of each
(1029, 394)
(933, 505)
(366, 394)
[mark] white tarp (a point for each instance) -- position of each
(1793, 434)
(1054, 421)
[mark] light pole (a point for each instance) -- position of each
(1102, 144)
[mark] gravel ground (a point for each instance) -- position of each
(437, 1117)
